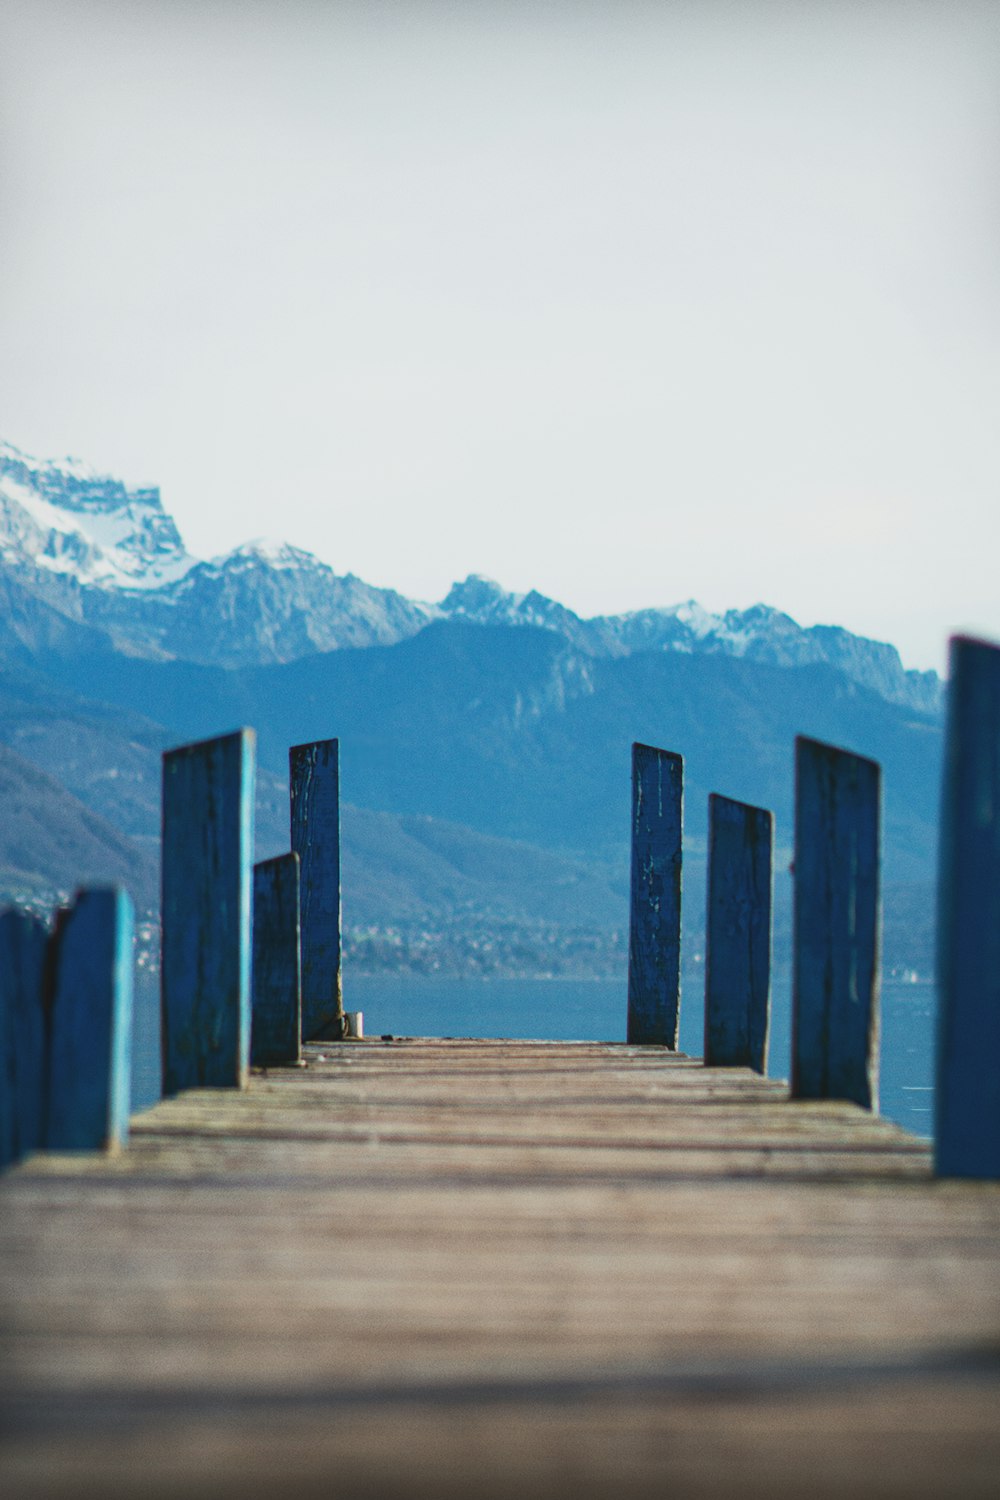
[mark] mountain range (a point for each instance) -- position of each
(103, 556)
(484, 739)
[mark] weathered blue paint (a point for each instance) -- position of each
(208, 805)
(967, 1127)
(835, 966)
(90, 1025)
(277, 981)
(654, 947)
(23, 944)
(738, 934)
(314, 783)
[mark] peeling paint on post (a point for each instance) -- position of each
(23, 944)
(738, 934)
(967, 1125)
(90, 1027)
(654, 946)
(835, 964)
(314, 784)
(277, 985)
(208, 806)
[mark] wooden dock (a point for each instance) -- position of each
(499, 1269)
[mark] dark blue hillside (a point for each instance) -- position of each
(513, 732)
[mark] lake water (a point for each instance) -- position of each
(589, 1010)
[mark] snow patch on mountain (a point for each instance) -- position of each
(65, 518)
(45, 468)
(695, 617)
(273, 554)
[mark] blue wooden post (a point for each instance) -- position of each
(208, 806)
(23, 942)
(654, 946)
(277, 984)
(314, 783)
(835, 966)
(967, 1126)
(90, 1025)
(738, 934)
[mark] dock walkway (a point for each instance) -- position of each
(460, 1268)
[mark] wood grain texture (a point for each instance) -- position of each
(836, 925)
(23, 943)
(207, 856)
(967, 1127)
(654, 948)
(276, 1030)
(738, 934)
(90, 1024)
(314, 784)
(500, 1268)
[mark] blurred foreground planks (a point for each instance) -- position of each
(499, 1269)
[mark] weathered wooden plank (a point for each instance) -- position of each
(276, 1033)
(654, 949)
(738, 934)
(333, 1271)
(314, 785)
(836, 925)
(208, 809)
(23, 941)
(90, 1026)
(967, 1126)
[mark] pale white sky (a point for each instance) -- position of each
(625, 302)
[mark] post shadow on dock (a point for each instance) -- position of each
(654, 947)
(836, 925)
(967, 1096)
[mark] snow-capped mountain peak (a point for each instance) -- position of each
(476, 596)
(46, 469)
(65, 518)
(270, 553)
(699, 621)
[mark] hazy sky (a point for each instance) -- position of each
(625, 302)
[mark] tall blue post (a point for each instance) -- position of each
(654, 946)
(314, 783)
(90, 1027)
(738, 934)
(967, 1126)
(836, 925)
(23, 943)
(276, 1031)
(208, 807)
